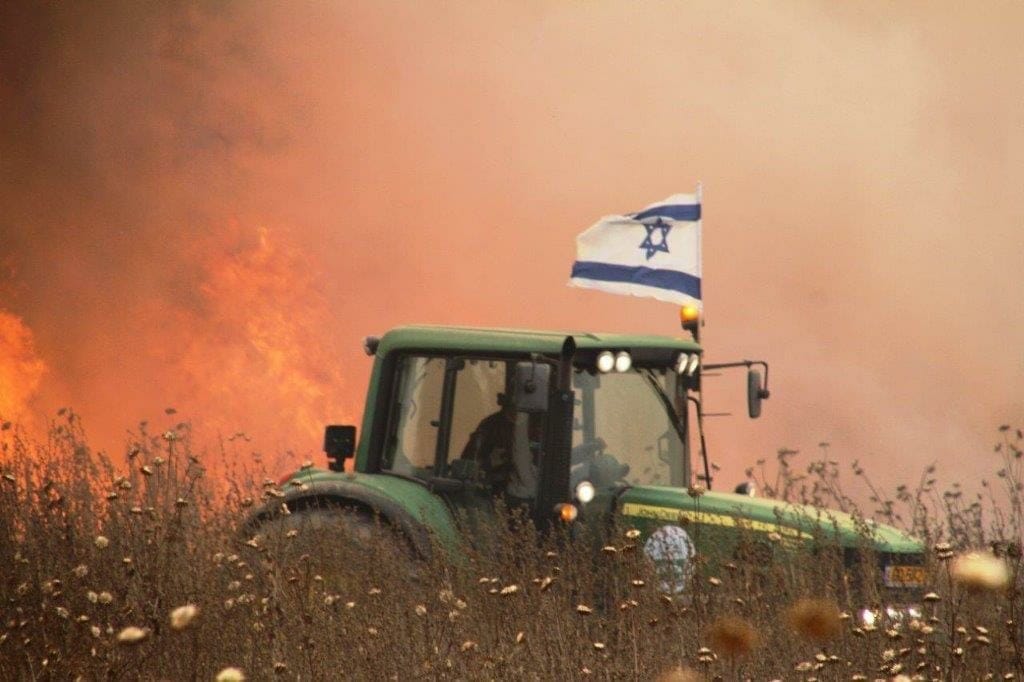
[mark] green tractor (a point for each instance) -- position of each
(578, 431)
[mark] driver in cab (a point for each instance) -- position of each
(505, 447)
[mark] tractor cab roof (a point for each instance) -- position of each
(514, 341)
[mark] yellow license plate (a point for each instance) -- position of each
(905, 576)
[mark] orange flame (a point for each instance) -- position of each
(21, 369)
(252, 351)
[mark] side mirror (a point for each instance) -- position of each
(755, 393)
(339, 444)
(533, 381)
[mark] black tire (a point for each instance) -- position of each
(333, 538)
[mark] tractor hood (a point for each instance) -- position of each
(645, 506)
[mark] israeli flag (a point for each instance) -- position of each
(654, 252)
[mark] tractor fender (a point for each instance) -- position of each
(346, 495)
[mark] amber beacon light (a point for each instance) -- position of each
(689, 318)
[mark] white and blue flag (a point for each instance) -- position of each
(654, 252)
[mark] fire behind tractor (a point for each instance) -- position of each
(600, 433)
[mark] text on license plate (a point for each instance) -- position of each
(905, 576)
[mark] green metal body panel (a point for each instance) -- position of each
(516, 340)
(717, 520)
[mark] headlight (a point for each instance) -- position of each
(605, 361)
(585, 491)
(694, 363)
(867, 617)
(623, 362)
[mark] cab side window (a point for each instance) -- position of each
(480, 387)
(415, 416)
(493, 443)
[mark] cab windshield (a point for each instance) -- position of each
(623, 433)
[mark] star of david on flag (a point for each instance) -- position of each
(654, 252)
(649, 244)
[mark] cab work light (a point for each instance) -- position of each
(623, 361)
(694, 364)
(608, 361)
(682, 362)
(687, 364)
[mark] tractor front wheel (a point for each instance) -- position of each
(333, 539)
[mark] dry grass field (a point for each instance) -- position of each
(136, 570)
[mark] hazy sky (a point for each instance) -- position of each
(208, 205)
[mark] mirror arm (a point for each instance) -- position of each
(764, 389)
(742, 363)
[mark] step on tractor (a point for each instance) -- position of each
(575, 430)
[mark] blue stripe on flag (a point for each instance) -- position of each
(674, 211)
(682, 282)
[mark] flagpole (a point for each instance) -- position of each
(700, 258)
(696, 337)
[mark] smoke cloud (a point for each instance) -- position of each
(208, 205)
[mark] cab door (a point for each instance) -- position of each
(452, 424)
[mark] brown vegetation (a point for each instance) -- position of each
(818, 620)
(137, 570)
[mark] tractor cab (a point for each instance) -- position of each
(548, 423)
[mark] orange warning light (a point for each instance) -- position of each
(689, 319)
(567, 512)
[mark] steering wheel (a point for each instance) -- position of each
(606, 470)
(591, 462)
(586, 452)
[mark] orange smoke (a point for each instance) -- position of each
(422, 162)
(21, 368)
